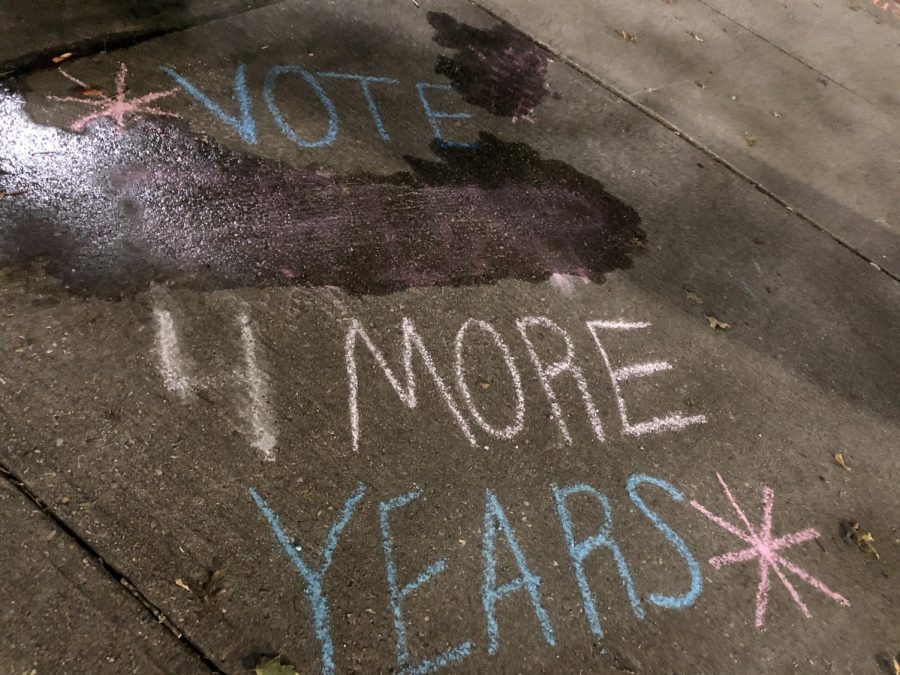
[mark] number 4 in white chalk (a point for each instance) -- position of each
(176, 372)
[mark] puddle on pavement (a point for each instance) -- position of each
(110, 211)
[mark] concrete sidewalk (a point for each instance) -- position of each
(379, 338)
(797, 97)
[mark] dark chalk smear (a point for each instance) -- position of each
(500, 70)
(109, 212)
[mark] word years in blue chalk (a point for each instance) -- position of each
(586, 543)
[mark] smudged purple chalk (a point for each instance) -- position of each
(500, 70)
(110, 211)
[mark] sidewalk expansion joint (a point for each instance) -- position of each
(784, 51)
(88, 47)
(15, 481)
(692, 141)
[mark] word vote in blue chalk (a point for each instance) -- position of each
(239, 114)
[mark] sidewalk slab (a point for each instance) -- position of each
(34, 32)
(837, 39)
(818, 132)
(210, 350)
(62, 613)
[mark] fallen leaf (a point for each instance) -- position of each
(485, 385)
(715, 324)
(839, 460)
(91, 92)
(693, 297)
(180, 583)
(695, 36)
(274, 666)
(864, 541)
(896, 664)
(62, 57)
(776, 115)
(628, 37)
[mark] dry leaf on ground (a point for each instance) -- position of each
(866, 543)
(839, 460)
(628, 37)
(864, 540)
(180, 583)
(715, 324)
(274, 666)
(62, 57)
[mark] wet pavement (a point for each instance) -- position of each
(379, 339)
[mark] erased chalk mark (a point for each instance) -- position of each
(500, 69)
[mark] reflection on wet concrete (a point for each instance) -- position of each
(110, 211)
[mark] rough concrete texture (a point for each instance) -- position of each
(798, 99)
(34, 32)
(61, 611)
(231, 360)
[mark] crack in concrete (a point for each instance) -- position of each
(88, 47)
(158, 615)
(786, 52)
(695, 142)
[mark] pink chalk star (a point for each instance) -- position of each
(116, 107)
(764, 547)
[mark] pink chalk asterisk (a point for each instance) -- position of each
(765, 548)
(115, 107)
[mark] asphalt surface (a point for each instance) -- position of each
(381, 338)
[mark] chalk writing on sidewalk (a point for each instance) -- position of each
(764, 548)
(179, 376)
(240, 116)
(548, 367)
(498, 530)
(536, 333)
(117, 107)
